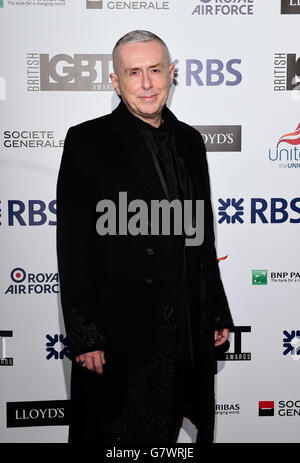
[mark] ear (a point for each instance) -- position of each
(115, 82)
(171, 73)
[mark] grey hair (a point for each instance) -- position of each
(138, 36)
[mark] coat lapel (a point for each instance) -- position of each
(189, 151)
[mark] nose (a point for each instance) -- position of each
(146, 81)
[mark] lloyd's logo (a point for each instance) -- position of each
(43, 413)
(221, 138)
(287, 151)
(290, 6)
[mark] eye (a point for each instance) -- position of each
(134, 73)
(155, 70)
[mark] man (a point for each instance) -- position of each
(143, 312)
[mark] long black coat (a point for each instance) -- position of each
(116, 290)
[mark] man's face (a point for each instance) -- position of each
(143, 78)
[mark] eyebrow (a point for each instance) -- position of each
(137, 67)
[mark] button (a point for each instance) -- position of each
(148, 280)
(150, 251)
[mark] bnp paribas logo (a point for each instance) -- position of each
(1, 3)
(94, 4)
(259, 277)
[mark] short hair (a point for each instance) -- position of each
(138, 36)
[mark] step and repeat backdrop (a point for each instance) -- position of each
(238, 82)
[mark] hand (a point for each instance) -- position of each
(221, 336)
(93, 361)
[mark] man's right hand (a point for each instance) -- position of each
(93, 361)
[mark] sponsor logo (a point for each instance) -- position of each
(285, 277)
(94, 4)
(90, 72)
(34, 212)
(221, 138)
(286, 72)
(224, 7)
(31, 139)
(285, 155)
(42, 413)
(266, 408)
(227, 409)
(4, 359)
(290, 6)
(32, 283)
(128, 5)
(259, 277)
(62, 72)
(57, 347)
(237, 353)
(1, 3)
(291, 344)
(231, 210)
(289, 408)
(259, 210)
(282, 408)
(209, 73)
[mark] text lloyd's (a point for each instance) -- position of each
(35, 413)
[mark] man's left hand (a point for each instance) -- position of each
(221, 336)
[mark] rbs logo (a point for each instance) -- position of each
(278, 210)
(34, 213)
(212, 72)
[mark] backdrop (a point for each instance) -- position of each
(238, 82)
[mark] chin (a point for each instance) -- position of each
(150, 111)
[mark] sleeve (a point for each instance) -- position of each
(216, 297)
(76, 234)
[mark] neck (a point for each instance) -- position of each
(154, 121)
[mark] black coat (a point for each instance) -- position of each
(116, 290)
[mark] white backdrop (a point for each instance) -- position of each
(237, 72)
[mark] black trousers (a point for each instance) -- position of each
(195, 398)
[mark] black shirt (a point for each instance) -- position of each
(176, 181)
(173, 170)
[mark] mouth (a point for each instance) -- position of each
(148, 98)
